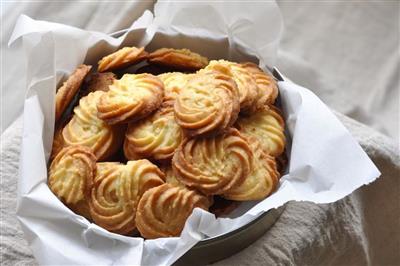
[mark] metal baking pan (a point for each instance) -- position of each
(222, 246)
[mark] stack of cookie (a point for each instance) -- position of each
(141, 151)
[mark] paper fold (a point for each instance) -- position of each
(326, 163)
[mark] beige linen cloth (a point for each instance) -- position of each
(346, 52)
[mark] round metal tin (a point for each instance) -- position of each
(217, 248)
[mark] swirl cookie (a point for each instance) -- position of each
(58, 143)
(262, 179)
(267, 125)
(245, 82)
(132, 97)
(209, 104)
(68, 90)
(174, 83)
(170, 176)
(267, 89)
(214, 165)
(116, 191)
(156, 136)
(122, 58)
(178, 58)
(71, 175)
(86, 129)
(163, 210)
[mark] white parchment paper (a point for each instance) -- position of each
(326, 163)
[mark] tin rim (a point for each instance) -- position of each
(216, 238)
